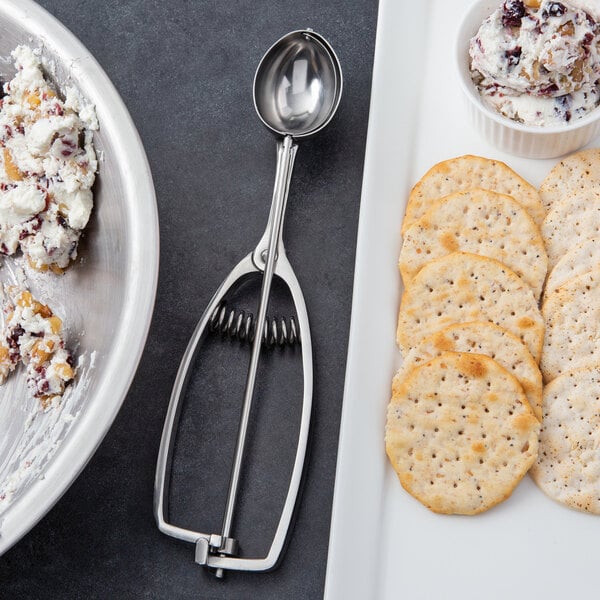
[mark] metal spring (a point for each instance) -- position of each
(240, 325)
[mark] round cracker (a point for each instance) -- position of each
(481, 222)
(572, 318)
(488, 339)
(577, 172)
(568, 464)
(572, 220)
(465, 173)
(583, 258)
(463, 287)
(460, 433)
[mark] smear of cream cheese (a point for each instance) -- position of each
(32, 433)
(46, 146)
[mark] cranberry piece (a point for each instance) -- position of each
(564, 102)
(513, 56)
(550, 89)
(512, 13)
(13, 337)
(43, 386)
(595, 26)
(586, 43)
(30, 227)
(4, 248)
(554, 9)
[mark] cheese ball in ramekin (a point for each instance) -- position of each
(530, 71)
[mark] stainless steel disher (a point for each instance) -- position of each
(297, 89)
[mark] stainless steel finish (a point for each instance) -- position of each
(298, 84)
(240, 325)
(285, 161)
(297, 89)
(106, 300)
(205, 541)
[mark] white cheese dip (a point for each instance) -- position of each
(47, 167)
(538, 62)
(32, 334)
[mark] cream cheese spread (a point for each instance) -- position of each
(538, 62)
(47, 167)
(32, 334)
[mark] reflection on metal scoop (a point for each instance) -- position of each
(298, 85)
(297, 89)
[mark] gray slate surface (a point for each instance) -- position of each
(185, 70)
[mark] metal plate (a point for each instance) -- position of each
(105, 299)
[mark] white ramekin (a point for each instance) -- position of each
(512, 137)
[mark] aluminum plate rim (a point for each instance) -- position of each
(87, 434)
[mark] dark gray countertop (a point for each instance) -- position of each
(185, 70)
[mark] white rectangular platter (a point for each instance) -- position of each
(384, 544)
